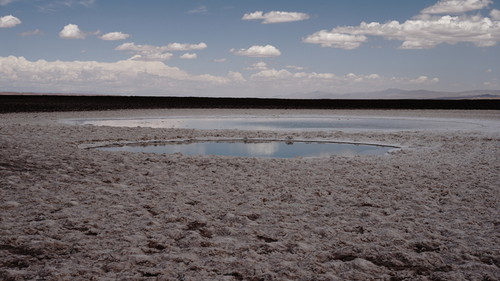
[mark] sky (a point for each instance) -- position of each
(243, 48)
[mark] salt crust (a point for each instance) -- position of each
(427, 212)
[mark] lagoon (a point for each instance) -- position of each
(255, 148)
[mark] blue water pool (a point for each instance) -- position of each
(270, 149)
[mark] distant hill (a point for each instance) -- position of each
(388, 94)
(393, 93)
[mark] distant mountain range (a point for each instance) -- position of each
(406, 94)
(390, 93)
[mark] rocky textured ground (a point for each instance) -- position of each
(429, 211)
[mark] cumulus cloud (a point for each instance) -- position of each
(456, 6)
(157, 53)
(495, 14)
(188, 56)
(424, 31)
(309, 78)
(258, 51)
(275, 16)
(113, 36)
(9, 21)
(72, 31)
(273, 74)
(303, 81)
(335, 39)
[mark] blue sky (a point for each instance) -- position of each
(252, 48)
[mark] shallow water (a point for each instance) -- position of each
(293, 123)
(270, 149)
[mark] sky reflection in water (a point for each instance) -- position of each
(302, 123)
(271, 149)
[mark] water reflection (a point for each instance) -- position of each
(272, 149)
(303, 123)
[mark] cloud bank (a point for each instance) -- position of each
(155, 77)
(76, 76)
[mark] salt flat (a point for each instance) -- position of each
(429, 211)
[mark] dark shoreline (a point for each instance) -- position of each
(52, 103)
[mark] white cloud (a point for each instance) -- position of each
(275, 16)
(157, 78)
(72, 31)
(112, 36)
(127, 75)
(188, 56)
(495, 14)
(157, 53)
(273, 74)
(220, 60)
(32, 32)
(9, 21)
(310, 78)
(424, 32)
(456, 6)
(258, 51)
(335, 39)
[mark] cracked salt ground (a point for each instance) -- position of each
(426, 212)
